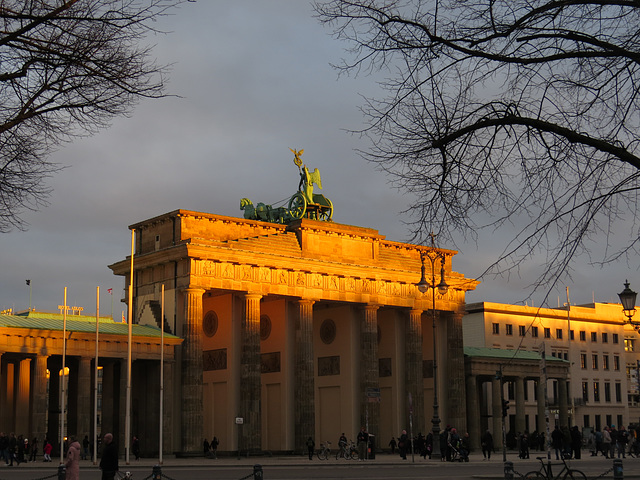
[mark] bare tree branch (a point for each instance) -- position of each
(517, 114)
(66, 69)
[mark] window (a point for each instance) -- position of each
(596, 391)
(607, 392)
(583, 336)
(616, 363)
(585, 392)
(571, 335)
(594, 362)
(496, 328)
(534, 332)
(594, 336)
(508, 329)
(522, 330)
(547, 332)
(614, 337)
(605, 337)
(605, 362)
(583, 361)
(559, 333)
(618, 392)
(629, 344)
(585, 420)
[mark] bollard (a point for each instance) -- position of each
(508, 471)
(257, 472)
(62, 472)
(156, 473)
(617, 469)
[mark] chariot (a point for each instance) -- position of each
(302, 204)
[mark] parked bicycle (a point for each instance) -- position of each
(348, 451)
(325, 451)
(545, 472)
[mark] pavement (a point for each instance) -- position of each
(593, 467)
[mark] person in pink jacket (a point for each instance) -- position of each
(73, 462)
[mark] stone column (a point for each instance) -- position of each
(455, 409)
(108, 398)
(251, 383)
(23, 394)
(167, 408)
(39, 411)
(541, 425)
(305, 424)
(369, 369)
(563, 405)
(85, 388)
(496, 411)
(192, 370)
(473, 412)
(413, 369)
(520, 419)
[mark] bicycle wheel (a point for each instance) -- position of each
(534, 476)
(322, 454)
(575, 475)
(353, 454)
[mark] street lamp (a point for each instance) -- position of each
(433, 255)
(628, 301)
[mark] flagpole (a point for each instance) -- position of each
(62, 382)
(161, 369)
(127, 426)
(95, 383)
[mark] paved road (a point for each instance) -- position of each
(298, 467)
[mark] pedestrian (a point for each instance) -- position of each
(362, 439)
(135, 447)
(109, 460)
(311, 446)
(47, 449)
(393, 445)
(85, 448)
(576, 442)
(487, 445)
(72, 465)
(214, 447)
(556, 441)
(403, 444)
(34, 450)
(606, 442)
(206, 448)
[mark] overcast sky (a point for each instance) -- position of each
(253, 79)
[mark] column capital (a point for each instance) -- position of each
(194, 289)
(252, 295)
(306, 301)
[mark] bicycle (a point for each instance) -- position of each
(545, 472)
(325, 451)
(348, 451)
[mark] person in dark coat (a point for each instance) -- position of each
(109, 460)
(487, 445)
(576, 442)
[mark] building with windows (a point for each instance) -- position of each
(309, 328)
(600, 348)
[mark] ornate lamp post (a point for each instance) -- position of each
(433, 255)
(628, 301)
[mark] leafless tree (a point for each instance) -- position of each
(502, 113)
(67, 68)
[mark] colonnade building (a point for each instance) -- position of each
(599, 348)
(307, 329)
(280, 332)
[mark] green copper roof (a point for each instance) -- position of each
(504, 354)
(77, 323)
